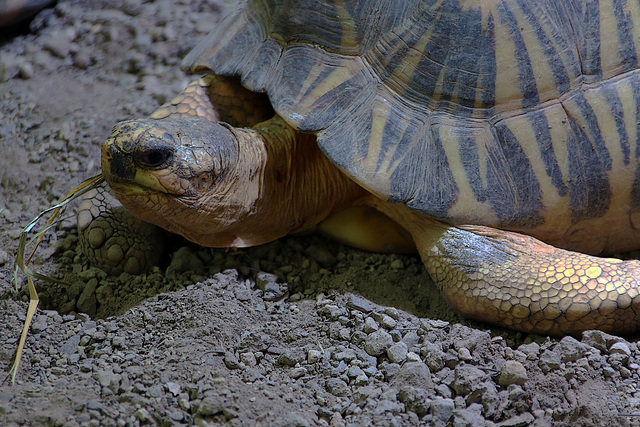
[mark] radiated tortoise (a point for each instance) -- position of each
(482, 128)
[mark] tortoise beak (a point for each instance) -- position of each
(116, 166)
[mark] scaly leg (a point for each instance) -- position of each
(113, 239)
(521, 283)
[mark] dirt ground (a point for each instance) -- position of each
(302, 331)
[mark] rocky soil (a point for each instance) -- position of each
(299, 332)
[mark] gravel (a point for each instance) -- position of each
(301, 332)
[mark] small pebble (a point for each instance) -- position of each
(26, 70)
(466, 377)
(397, 264)
(392, 312)
(296, 373)
(531, 350)
(522, 420)
(570, 349)
(144, 416)
(366, 392)
(358, 303)
(468, 417)
(370, 325)
(94, 405)
(414, 374)
(242, 294)
(248, 358)
(413, 357)
(292, 356)
(397, 353)
(442, 409)
(620, 348)
(464, 354)
(231, 360)
(549, 361)
(411, 338)
(388, 322)
(515, 392)
(378, 342)
(83, 58)
(313, 356)
(59, 42)
(608, 372)
(512, 372)
(337, 387)
(211, 405)
(354, 371)
(174, 388)
(361, 380)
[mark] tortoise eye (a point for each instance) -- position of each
(153, 157)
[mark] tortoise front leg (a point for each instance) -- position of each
(521, 283)
(114, 240)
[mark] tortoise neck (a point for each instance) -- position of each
(280, 183)
(301, 186)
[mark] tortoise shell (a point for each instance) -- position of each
(518, 114)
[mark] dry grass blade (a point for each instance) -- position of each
(22, 264)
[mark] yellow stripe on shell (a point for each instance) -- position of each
(486, 7)
(467, 205)
(543, 74)
(348, 42)
(629, 105)
(316, 86)
(609, 43)
(507, 92)
(403, 75)
(633, 8)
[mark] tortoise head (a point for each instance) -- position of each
(189, 176)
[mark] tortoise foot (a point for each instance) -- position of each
(114, 240)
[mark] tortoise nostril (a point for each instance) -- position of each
(107, 153)
(153, 157)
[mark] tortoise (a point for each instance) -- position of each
(498, 137)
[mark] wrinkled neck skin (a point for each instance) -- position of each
(281, 183)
